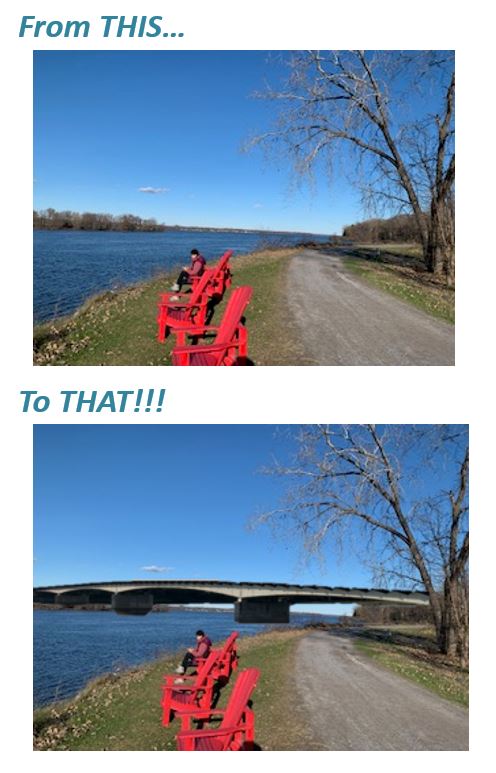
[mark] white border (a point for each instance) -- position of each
(260, 395)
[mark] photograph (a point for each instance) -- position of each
(300, 588)
(195, 565)
(204, 208)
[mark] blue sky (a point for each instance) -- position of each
(110, 500)
(118, 502)
(107, 123)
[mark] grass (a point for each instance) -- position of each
(398, 250)
(398, 270)
(410, 651)
(119, 328)
(122, 712)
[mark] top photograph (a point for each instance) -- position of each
(197, 208)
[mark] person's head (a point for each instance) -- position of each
(194, 253)
(200, 634)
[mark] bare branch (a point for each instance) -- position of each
(380, 479)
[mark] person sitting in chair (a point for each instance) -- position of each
(196, 268)
(202, 650)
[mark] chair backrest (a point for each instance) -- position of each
(245, 684)
(221, 265)
(200, 286)
(239, 300)
(205, 670)
(228, 645)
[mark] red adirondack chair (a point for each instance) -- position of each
(221, 277)
(193, 691)
(235, 733)
(227, 659)
(189, 310)
(230, 346)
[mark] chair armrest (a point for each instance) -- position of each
(175, 305)
(170, 683)
(182, 304)
(202, 713)
(179, 305)
(213, 732)
(200, 330)
(207, 349)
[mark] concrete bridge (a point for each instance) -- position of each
(254, 602)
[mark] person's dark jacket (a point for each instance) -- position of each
(202, 649)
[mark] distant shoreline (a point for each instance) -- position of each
(180, 228)
(158, 608)
(108, 608)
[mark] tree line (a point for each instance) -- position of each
(399, 229)
(50, 219)
(392, 613)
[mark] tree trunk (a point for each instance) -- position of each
(452, 626)
(439, 249)
(449, 266)
(434, 253)
(447, 633)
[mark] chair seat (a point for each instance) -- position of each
(181, 697)
(203, 358)
(178, 314)
(199, 358)
(208, 745)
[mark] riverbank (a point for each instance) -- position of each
(121, 711)
(119, 328)
(296, 292)
(398, 269)
(410, 651)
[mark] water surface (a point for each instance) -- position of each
(72, 647)
(71, 266)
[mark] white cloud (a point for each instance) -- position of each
(149, 189)
(257, 205)
(158, 569)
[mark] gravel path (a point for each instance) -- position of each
(341, 320)
(352, 704)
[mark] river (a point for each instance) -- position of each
(71, 647)
(71, 266)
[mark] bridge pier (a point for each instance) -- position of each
(132, 603)
(255, 610)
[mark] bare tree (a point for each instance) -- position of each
(363, 99)
(399, 495)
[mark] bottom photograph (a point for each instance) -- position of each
(251, 587)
